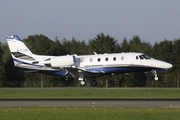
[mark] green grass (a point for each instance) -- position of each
(89, 113)
(89, 93)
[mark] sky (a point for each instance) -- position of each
(152, 20)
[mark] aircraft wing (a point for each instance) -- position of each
(76, 72)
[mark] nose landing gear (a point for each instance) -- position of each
(155, 74)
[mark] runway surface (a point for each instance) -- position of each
(165, 103)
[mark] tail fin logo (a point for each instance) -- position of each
(9, 37)
(12, 37)
(22, 56)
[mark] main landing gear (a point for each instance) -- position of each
(94, 82)
(83, 81)
(155, 74)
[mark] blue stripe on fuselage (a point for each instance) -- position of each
(55, 73)
(109, 70)
(21, 62)
(49, 72)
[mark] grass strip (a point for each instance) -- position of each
(91, 113)
(89, 93)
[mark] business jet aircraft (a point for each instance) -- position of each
(82, 66)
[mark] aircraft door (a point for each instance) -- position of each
(77, 62)
(82, 60)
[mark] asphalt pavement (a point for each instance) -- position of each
(155, 103)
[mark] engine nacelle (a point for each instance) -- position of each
(61, 61)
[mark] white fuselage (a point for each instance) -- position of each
(99, 64)
(82, 66)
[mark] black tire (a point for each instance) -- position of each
(94, 83)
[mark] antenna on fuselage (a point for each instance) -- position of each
(95, 53)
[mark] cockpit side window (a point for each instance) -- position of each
(141, 57)
(137, 57)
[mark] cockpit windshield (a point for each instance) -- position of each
(143, 56)
(146, 57)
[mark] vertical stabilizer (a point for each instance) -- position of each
(18, 49)
(16, 45)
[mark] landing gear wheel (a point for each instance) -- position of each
(156, 78)
(94, 83)
(83, 82)
(155, 74)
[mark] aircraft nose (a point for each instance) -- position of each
(167, 65)
(163, 64)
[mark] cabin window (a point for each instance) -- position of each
(99, 59)
(90, 59)
(137, 57)
(106, 59)
(122, 58)
(114, 58)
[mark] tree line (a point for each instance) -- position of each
(166, 50)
